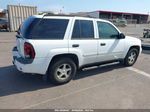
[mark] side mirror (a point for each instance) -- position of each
(121, 36)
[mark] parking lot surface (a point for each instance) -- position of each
(113, 86)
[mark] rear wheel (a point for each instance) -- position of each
(62, 71)
(131, 57)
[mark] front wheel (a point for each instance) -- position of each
(131, 57)
(62, 71)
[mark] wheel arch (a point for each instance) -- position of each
(131, 47)
(74, 57)
(136, 47)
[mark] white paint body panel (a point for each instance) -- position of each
(113, 49)
(89, 51)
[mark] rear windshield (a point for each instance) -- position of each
(44, 28)
(24, 27)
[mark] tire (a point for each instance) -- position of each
(62, 71)
(131, 57)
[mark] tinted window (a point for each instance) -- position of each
(49, 29)
(24, 27)
(107, 31)
(83, 29)
(76, 30)
(36, 28)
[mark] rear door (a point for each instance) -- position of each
(110, 47)
(83, 40)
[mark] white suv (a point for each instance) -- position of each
(57, 46)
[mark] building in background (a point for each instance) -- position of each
(139, 18)
(16, 14)
(111, 15)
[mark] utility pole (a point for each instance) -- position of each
(19, 2)
(148, 16)
(61, 9)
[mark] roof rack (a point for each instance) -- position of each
(51, 14)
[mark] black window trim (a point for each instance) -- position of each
(99, 38)
(84, 38)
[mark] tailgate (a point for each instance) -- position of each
(20, 45)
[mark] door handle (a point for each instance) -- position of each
(102, 44)
(75, 45)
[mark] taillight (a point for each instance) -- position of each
(29, 51)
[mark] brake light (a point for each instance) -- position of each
(29, 51)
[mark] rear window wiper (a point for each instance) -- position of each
(18, 36)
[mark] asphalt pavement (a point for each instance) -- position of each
(105, 87)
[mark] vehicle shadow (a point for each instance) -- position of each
(13, 82)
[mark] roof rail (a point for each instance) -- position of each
(51, 14)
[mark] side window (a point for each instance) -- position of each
(107, 31)
(49, 29)
(83, 29)
(76, 30)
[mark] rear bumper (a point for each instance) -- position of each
(36, 65)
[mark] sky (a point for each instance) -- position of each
(67, 6)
